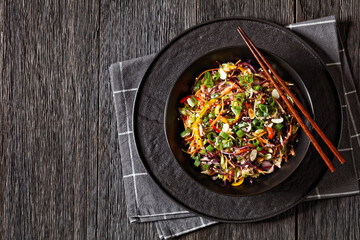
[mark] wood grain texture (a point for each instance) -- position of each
(334, 218)
(60, 171)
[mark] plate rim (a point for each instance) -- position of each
(163, 49)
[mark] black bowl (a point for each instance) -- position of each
(173, 127)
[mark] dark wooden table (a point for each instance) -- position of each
(60, 171)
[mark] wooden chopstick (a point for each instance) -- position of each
(260, 58)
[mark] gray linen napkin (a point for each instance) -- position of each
(145, 202)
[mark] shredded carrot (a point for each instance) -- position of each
(219, 115)
(238, 62)
(227, 159)
(197, 79)
(263, 140)
(260, 140)
(213, 173)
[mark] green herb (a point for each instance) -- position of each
(205, 119)
(258, 148)
(236, 127)
(219, 125)
(246, 80)
(240, 133)
(216, 76)
(263, 108)
(185, 133)
(257, 87)
(224, 135)
(278, 126)
(192, 101)
(215, 95)
(210, 148)
(210, 135)
(258, 124)
(271, 101)
(212, 115)
(236, 110)
(197, 160)
(197, 86)
(203, 151)
(208, 81)
(243, 124)
(255, 142)
(205, 167)
(228, 144)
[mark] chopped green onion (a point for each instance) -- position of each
(240, 96)
(212, 115)
(263, 108)
(271, 101)
(205, 166)
(224, 135)
(192, 101)
(197, 86)
(278, 126)
(219, 125)
(208, 81)
(236, 127)
(209, 136)
(215, 95)
(205, 119)
(259, 113)
(239, 142)
(246, 80)
(257, 87)
(240, 133)
(203, 151)
(236, 110)
(228, 144)
(216, 76)
(197, 162)
(258, 124)
(219, 146)
(258, 148)
(243, 124)
(210, 148)
(255, 142)
(185, 133)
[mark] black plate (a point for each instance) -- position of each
(173, 127)
(169, 65)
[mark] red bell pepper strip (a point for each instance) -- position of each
(185, 99)
(214, 127)
(197, 98)
(270, 132)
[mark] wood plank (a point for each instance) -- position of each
(348, 17)
(333, 218)
(281, 12)
(50, 97)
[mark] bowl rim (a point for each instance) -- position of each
(308, 100)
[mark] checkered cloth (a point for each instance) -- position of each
(145, 202)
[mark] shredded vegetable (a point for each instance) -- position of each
(236, 125)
